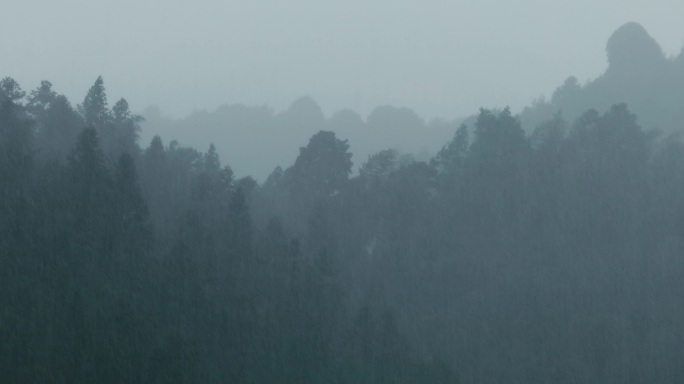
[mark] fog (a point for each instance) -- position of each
(441, 58)
(327, 193)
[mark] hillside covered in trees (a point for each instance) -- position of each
(552, 255)
(638, 74)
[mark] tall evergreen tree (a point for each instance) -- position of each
(94, 108)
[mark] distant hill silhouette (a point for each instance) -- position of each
(254, 140)
(638, 74)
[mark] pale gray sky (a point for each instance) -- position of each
(441, 58)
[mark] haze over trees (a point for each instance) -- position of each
(249, 132)
(513, 254)
(638, 74)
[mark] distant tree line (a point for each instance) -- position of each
(246, 132)
(554, 256)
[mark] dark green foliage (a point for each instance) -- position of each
(89, 181)
(322, 167)
(95, 108)
(379, 165)
(549, 257)
(240, 228)
(131, 215)
(40, 99)
(58, 129)
(10, 90)
(125, 130)
(16, 141)
(118, 128)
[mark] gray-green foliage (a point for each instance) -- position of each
(548, 257)
(638, 74)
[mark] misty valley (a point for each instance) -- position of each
(545, 246)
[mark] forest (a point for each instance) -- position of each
(550, 254)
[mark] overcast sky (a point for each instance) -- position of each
(441, 58)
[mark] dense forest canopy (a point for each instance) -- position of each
(513, 254)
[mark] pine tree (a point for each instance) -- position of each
(94, 108)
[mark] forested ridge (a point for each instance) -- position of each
(553, 256)
(638, 73)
